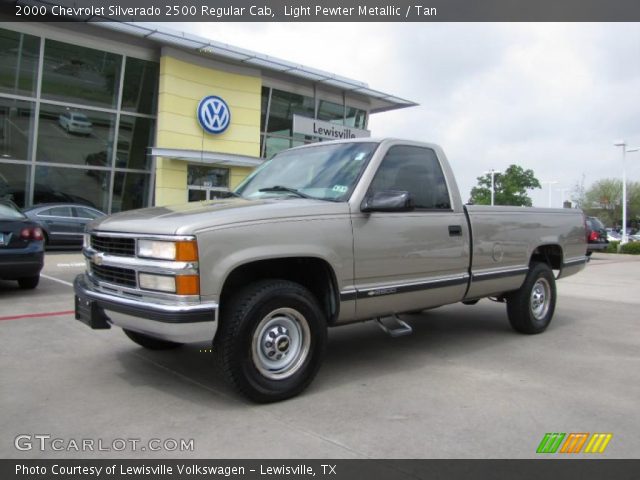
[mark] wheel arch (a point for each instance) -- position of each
(551, 254)
(313, 273)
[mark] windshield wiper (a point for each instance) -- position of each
(280, 188)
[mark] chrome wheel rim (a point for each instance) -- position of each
(540, 298)
(281, 343)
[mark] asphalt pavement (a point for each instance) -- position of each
(464, 385)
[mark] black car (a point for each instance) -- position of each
(596, 235)
(21, 246)
(63, 223)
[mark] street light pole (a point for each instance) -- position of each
(563, 192)
(625, 150)
(492, 172)
(551, 182)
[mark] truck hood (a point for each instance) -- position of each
(190, 218)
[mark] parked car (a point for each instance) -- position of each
(74, 122)
(63, 223)
(613, 236)
(596, 235)
(21, 246)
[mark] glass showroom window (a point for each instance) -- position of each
(76, 74)
(279, 121)
(14, 183)
(75, 136)
(283, 106)
(206, 183)
(355, 118)
(18, 63)
(74, 185)
(277, 144)
(264, 105)
(331, 112)
(130, 190)
(134, 137)
(16, 129)
(140, 89)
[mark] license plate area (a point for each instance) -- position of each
(90, 313)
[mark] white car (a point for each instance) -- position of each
(613, 236)
(74, 122)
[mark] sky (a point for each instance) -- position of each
(552, 97)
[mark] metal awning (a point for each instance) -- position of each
(213, 158)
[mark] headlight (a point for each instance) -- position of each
(162, 283)
(183, 251)
(180, 285)
(156, 249)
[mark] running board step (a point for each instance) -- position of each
(394, 327)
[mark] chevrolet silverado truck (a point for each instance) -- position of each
(319, 236)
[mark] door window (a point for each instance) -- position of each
(87, 213)
(417, 171)
(57, 212)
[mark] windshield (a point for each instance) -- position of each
(9, 212)
(595, 223)
(325, 172)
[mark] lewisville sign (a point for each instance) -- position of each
(320, 128)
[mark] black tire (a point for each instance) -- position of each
(29, 283)
(263, 370)
(149, 342)
(530, 309)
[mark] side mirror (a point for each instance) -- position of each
(387, 201)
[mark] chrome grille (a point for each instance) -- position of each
(125, 247)
(115, 275)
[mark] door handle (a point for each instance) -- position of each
(455, 231)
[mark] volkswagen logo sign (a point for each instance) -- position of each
(214, 114)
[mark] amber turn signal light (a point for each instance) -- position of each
(187, 251)
(188, 285)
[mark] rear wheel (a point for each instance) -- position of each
(530, 309)
(149, 342)
(271, 340)
(29, 283)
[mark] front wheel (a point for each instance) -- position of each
(271, 340)
(530, 309)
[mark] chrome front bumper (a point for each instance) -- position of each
(175, 323)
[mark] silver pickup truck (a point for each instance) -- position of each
(320, 236)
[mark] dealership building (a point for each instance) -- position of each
(122, 116)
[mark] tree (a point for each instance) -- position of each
(604, 200)
(510, 187)
(579, 193)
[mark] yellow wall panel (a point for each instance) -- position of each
(237, 175)
(207, 76)
(182, 86)
(171, 174)
(170, 196)
(196, 91)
